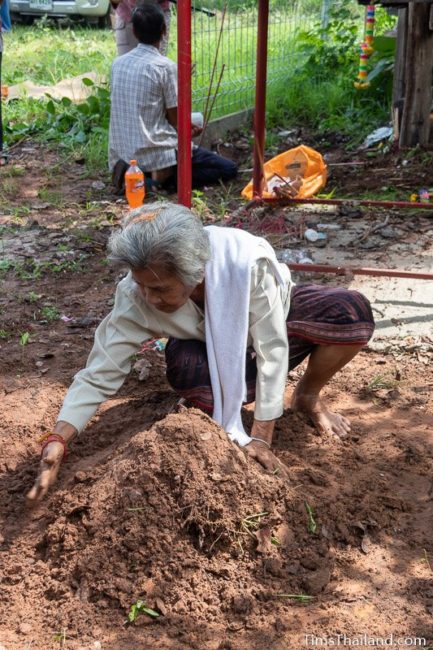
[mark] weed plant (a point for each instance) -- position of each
(320, 94)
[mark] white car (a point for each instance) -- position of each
(95, 11)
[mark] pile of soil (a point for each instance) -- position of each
(176, 518)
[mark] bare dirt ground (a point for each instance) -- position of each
(154, 504)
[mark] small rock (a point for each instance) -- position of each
(310, 563)
(317, 581)
(284, 534)
(40, 206)
(317, 238)
(161, 606)
(25, 628)
(325, 532)
(142, 367)
(328, 226)
(97, 645)
(274, 567)
(366, 544)
(368, 244)
(293, 569)
(241, 604)
(98, 185)
(389, 233)
(80, 476)
(264, 540)
(281, 625)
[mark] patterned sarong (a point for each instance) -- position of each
(318, 316)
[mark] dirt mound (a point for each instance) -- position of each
(179, 519)
(173, 519)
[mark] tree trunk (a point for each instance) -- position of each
(415, 127)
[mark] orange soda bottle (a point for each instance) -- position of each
(134, 185)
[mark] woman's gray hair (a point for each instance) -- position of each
(166, 234)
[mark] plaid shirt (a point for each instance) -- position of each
(143, 87)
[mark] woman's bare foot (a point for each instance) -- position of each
(326, 422)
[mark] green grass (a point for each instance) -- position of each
(46, 55)
(326, 106)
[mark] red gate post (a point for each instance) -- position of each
(260, 103)
(184, 102)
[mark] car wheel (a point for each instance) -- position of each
(20, 18)
(105, 21)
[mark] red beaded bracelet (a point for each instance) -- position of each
(54, 437)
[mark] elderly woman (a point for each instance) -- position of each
(236, 323)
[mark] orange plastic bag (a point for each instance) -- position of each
(301, 162)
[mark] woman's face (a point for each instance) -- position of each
(160, 289)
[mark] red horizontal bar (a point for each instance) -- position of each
(346, 270)
(355, 202)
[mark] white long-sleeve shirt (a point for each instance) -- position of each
(132, 321)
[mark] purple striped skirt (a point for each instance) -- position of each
(318, 316)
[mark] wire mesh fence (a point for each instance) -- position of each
(224, 44)
(224, 41)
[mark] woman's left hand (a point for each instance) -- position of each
(263, 455)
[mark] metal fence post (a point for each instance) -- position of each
(260, 105)
(184, 175)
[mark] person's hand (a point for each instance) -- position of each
(196, 130)
(263, 455)
(48, 470)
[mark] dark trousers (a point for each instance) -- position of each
(207, 168)
(318, 316)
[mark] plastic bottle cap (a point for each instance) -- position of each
(132, 162)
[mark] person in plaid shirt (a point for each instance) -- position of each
(143, 119)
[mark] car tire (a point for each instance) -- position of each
(105, 21)
(20, 18)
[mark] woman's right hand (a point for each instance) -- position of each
(48, 470)
(264, 456)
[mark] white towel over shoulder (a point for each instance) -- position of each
(228, 284)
